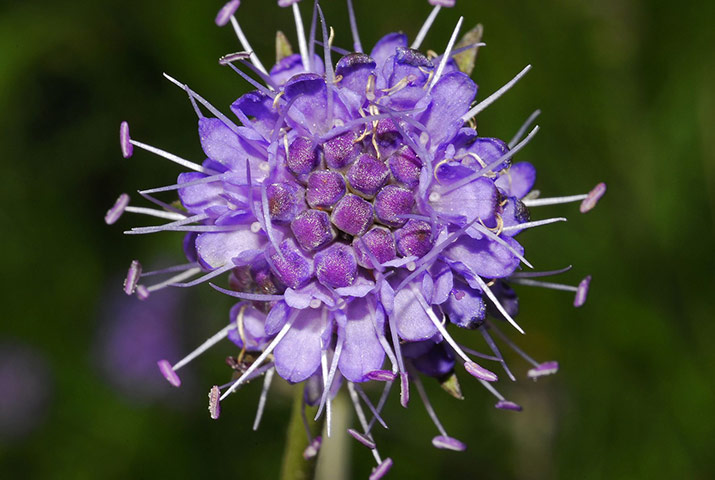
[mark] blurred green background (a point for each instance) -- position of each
(626, 89)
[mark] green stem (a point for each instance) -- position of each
(295, 467)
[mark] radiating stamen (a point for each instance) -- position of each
(513, 345)
(508, 405)
(226, 12)
(257, 297)
(156, 213)
(353, 27)
(329, 378)
(497, 352)
(537, 223)
(364, 439)
(380, 404)
(593, 197)
(494, 96)
(404, 381)
(264, 395)
(496, 302)
(177, 186)
(381, 470)
(269, 349)
(300, 32)
(543, 369)
(125, 140)
(582, 292)
(540, 274)
(176, 278)
(142, 292)
(252, 81)
(361, 417)
(443, 441)
(446, 54)
(174, 158)
(233, 57)
(114, 213)
(588, 200)
(522, 130)
(169, 373)
(370, 406)
(212, 274)
(246, 46)
(214, 405)
(210, 342)
(135, 271)
(425, 28)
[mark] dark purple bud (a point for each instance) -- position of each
(142, 292)
(381, 470)
(352, 215)
(392, 203)
(341, 150)
(166, 369)
(593, 197)
(405, 167)
(125, 140)
(448, 443)
(226, 12)
(313, 448)
(480, 372)
(543, 369)
(379, 242)
(436, 361)
(443, 3)
(336, 266)
(582, 292)
(293, 269)
(465, 306)
(214, 405)
(325, 188)
(361, 438)
(507, 405)
(302, 156)
(135, 271)
(387, 131)
(367, 175)
(117, 209)
(415, 238)
(285, 201)
(382, 375)
(312, 229)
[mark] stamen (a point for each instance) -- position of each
(173, 158)
(125, 140)
(472, 367)
(213, 340)
(443, 441)
(484, 230)
(497, 353)
(177, 278)
(353, 27)
(361, 418)
(540, 202)
(370, 406)
(114, 213)
(262, 400)
(253, 82)
(142, 292)
(446, 54)
(582, 292)
(382, 375)
(404, 380)
(522, 130)
(177, 186)
(246, 46)
(203, 278)
(328, 380)
(233, 57)
(537, 223)
(214, 405)
(380, 404)
(364, 439)
(550, 285)
(593, 197)
(156, 213)
(313, 24)
(540, 274)
(499, 306)
(300, 31)
(543, 369)
(227, 12)
(494, 96)
(257, 297)
(169, 373)
(381, 470)
(329, 73)
(425, 28)
(513, 345)
(135, 271)
(269, 349)
(507, 405)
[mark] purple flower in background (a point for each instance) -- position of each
(359, 216)
(26, 384)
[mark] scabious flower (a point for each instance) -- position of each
(359, 217)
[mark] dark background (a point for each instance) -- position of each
(626, 89)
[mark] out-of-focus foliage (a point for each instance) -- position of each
(626, 89)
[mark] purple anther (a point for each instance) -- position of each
(392, 203)
(166, 369)
(381, 375)
(352, 215)
(313, 448)
(405, 167)
(302, 156)
(226, 12)
(582, 292)
(336, 266)
(387, 131)
(415, 238)
(125, 141)
(381, 470)
(117, 209)
(214, 405)
(543, 369)
(448, 443)
(443, 3)
(312, 229)
(480, 372)
(404, 389)
(285, 201)
(361, 438)
(293, 268)
(287, 3)
(233, 57)
(325, 188)
(593, 197)
(135, 271)
(367, 175)
(142, 292)
(507, 405)
(341, 150)
(377, 244)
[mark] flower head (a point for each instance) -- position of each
(360, 216)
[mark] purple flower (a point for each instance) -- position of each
(360, 216)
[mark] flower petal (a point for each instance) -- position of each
(297, 356)
(362, 352)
